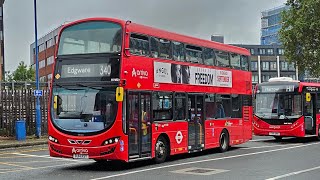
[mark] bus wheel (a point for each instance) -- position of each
(224, 141)
(278, 138)
(161, 150)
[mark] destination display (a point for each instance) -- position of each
(184, 74)
(276, 88)
(86, 70)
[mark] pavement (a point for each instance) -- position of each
(11, 142)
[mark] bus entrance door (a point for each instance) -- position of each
(195, 122)
(309, 113)
(139, 108)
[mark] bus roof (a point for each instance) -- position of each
(151, 31)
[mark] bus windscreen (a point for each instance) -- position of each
(91, 37)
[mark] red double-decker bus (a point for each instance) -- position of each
(287, 108)
(124, 91)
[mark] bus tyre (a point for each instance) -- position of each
(224, 141)
(278, 138)
(161, 150)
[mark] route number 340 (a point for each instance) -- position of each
(105, 70)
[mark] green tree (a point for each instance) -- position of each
(22, 73)
(300, 34)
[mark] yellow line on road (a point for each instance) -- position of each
(8, 157)
(10, 164)
(24, 151)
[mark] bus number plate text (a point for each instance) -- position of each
(80, 156)
(274, 133)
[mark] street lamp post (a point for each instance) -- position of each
(38, 112)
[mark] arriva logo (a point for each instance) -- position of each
(79, 151)
(142, 74)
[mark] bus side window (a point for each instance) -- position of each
(208, 57)
(165, 49)
(235, 61)
(139, 45)
(245, 63)
(179, 53)
(194, 54)
(222, 59)
(154, 47)
(180, 106)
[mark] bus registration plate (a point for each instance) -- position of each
(80, 156)
(274, 133)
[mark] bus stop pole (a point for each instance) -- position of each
(38, 112)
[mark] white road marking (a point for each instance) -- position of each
(258, 147)
(49, 157)
(257, 140)
(294, 173)
(200, 161)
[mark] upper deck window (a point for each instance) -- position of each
(194, 54)
(223, 59)
(208, 57)
(139, 45)
(235, 60)
(178, 51)
(91, 37)
(244, 63)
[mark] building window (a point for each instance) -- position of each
(280, 51)
(284, 66)
(42, 64)
(255, 78)
(43, 79)
(56, 39)
(265, 66)
(265, 78)
(50, 42)
(270, 51)
(49, 77)
(273, 66)
(291, 67)
(42, 47)
(251, 51)
(50, 60)
(262, 51)
(254, 65)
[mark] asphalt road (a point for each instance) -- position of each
(262, 158)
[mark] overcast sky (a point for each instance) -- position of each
(237, 20)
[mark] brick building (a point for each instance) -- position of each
(46, 49)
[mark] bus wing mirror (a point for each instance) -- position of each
(55, 102)
(119, 94)
(308, 97)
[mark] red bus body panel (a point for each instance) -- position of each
(239, 128)
(297, 129)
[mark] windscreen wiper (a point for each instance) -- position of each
(92, 87)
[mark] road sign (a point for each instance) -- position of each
(37, 92)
